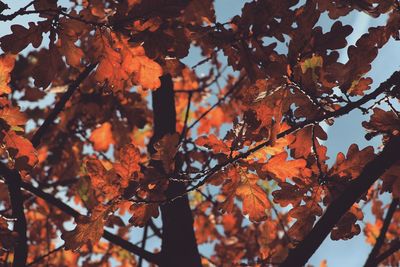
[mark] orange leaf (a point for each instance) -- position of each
(146, 71)
(255, 201)
(281, 169)
(213, 143)
(67, 38)
(102, 137)
(6, 66)
(21, 150)
(351, 165)
(13, 116)
(129, 158)
(244, 185)
(105, 181)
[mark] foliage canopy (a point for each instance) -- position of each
(134, 134)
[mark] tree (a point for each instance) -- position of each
(135, 133)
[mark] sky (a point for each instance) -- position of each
(342, 134)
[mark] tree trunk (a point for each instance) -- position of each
(179, 247)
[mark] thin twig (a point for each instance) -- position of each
(220, 100)
(39, 259)
(60, 105)
(382, 235)
(184, 131)
(143, 246)
(394, 246)
(150, 257)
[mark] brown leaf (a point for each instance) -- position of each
(21, 37)
(213, 143)
(141, 213)
(351, 166)
(346, 228)
(71, 29)
(103, 180)
(383, 122)
(88, 230)
(166, 149)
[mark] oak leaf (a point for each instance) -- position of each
(67, 38)
(306, 216)
(102, 137)
(6, 66)
(391, 181)
(20, 150)
(146, 72)
(141, 213)
(383, 122)
(13, 116)
(244, 186)
(88, 230)
(351, 165)
(102, 180)
(346, 228)
(280, 168)
(166, 149)
(255, 200)
(212, 142)
(128, 165)
(21, 37)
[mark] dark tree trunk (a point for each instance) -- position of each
(179, 247)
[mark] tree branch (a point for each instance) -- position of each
(13, 180)
(220, 100)
(371, 172)
(395, 246)
(385, 86)
(381, 238)
(39, 259)
(204, 176)
(154, 228)
(143, 245)
(60, 105)
(150, 257)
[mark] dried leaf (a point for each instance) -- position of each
(141, 213)
(88, 230)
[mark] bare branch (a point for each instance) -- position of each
(220, 100)
(381, 238)
(60, 105)
(394, 247)
(13, 180)
(39, 259)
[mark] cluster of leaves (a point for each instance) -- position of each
(257, 191)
